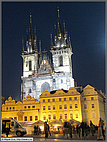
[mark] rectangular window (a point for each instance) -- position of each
(53, 100)
(64, 99)
(28, 106)
(30, 65)
(43, 100)
(75, 98)
(53, 107)
(92, 105)
(70, 106)
(65, 106)
(25, 118)
(54, 116)
(48, 100)
(49, 107)
(33, 106)
(49, 117)
(13, 107)
(44, 117)
(30, 118)
(59, 99)
(24, 106)
(36, 117)
(71, 116)
(70, 98)
(92, 98)
(76, 106)
(77, 115)
(85, 106)
(43, 107)
(60, 117)
(65, 116)
(60, 106)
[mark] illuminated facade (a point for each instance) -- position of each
(39, 73)
(60, 105)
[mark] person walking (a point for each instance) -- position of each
(100, 135)
(46, 129)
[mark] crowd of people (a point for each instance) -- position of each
(81, 130)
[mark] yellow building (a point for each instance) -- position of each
(58, 105)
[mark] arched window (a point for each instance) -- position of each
(30, 65)
(60, 61)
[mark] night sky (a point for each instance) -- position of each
(85, 23)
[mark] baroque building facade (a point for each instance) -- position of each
(39, 74)
(60, 105)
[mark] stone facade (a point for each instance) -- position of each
(39, 73)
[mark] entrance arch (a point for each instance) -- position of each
(45, 86)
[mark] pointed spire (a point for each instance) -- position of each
(30, 30)
(55, 31)
(22, 45)
(40, 46)
(51, 41)
(35, 40)
(27, 38)
(59, 24)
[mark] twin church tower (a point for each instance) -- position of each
(39, 73)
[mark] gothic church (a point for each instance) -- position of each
(39, 74)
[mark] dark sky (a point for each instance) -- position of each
(85, 22)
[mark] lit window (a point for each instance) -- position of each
(36, 117)
(92, 98)
(65, 116)
(59, 99)
(64, 99)
(48, 100)
(53, 100)
(60, 106)
(49, 107)
(84, 99)
(53, 107)
(30, 65)
(60, 117)
(44, 117)
(85, 106)
(44, 100)
(25, 118)
(70, 106)
(75, 98)
(92, 105)
(76, 115)
(28, 106)
(49, 117)
(30, 118)
(54, 116)
(71, 116)
(65, 106)
(76, 106)
(70, 98)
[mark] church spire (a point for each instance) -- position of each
(51, 42)
(30, 30)
(35, 40)
(59, 24)
(22, 45)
